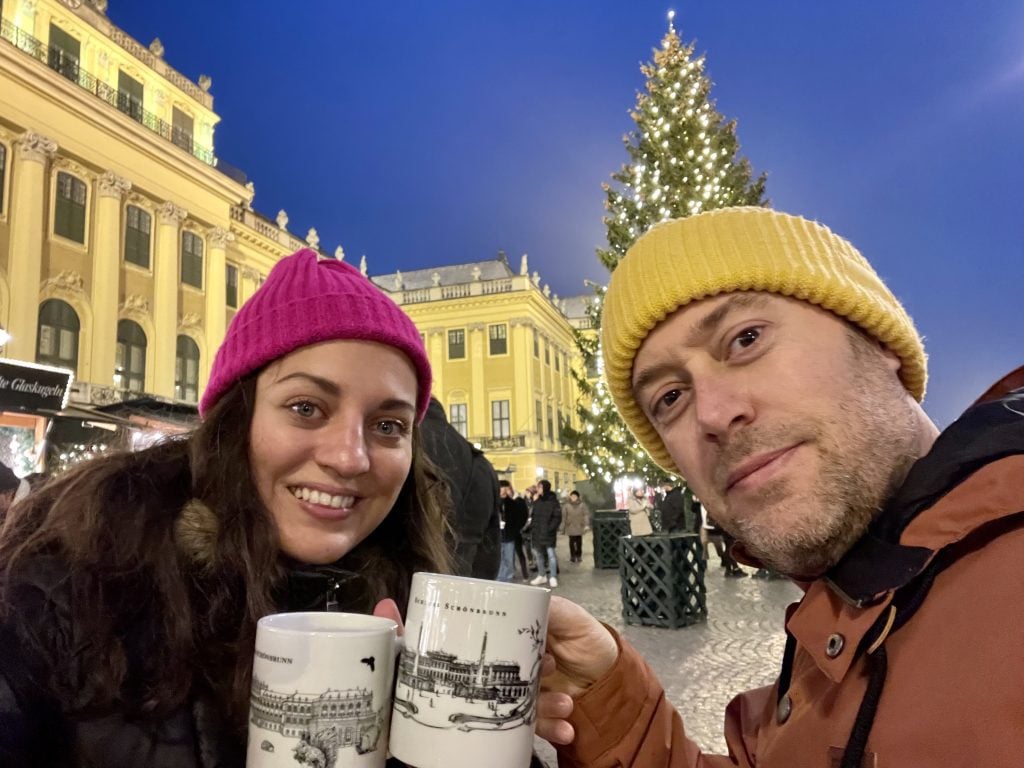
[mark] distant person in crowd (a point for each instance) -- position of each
(713, 535)
(130, 586)
(9, 485)
(514, 515)
(575, 519)
(639, 508)
(672, 508)
(761, 357)
(545, 520)
(473, 487)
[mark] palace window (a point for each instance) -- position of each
(540, 418)
(138, 230)
(64, 53)
(459, 418)
(536, 343)
(498, 335)
(57, 339)
(551, 423)
(457, 344)
(191, 259)
(130, 357)
(129, 96)
(69, 207)
(231, 282)
(186, 370)
(501, 422)
(181, 129)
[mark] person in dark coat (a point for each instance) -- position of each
(514, 514)
(673, 508)
(545, 520)
(473, 486)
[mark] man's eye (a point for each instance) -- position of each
(746, 338)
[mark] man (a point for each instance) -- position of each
(545, 520)
(673, 509)
(473, 485)
(760, 357)
(575, 520)
(514, 514)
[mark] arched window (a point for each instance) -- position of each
(130, 360)
(186, 370)
(57, 339)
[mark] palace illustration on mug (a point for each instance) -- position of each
(439, 690)
(323, 722)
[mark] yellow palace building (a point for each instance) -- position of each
(125, 246)
(501, 347)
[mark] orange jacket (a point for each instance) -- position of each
(953, 690)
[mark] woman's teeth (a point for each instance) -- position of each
(323, 499)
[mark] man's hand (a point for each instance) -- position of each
(579, 652)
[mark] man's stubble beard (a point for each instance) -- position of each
(864, 453)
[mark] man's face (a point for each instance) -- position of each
(791, 427)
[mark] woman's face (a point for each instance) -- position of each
(331, 443)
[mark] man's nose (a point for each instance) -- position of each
(723, 404)
(342, 447)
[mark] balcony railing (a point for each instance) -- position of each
(503, 443)
(67, 65)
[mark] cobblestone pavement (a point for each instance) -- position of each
(702, 666)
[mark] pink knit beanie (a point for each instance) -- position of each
(306, 300)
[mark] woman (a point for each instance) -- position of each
(639, 507)
(131, 586)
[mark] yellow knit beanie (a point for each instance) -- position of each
(742, 249)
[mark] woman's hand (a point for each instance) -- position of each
(579, 652)
(388, 609)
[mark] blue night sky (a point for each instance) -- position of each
(422, 134)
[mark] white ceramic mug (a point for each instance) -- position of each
(321, 690)
(468, 677)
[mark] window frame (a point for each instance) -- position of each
(181, 378)
(199, 262)
(149, 236)
(230, 268)
(502, 421)
(492, 339)
(127, 103)
(67, 213)
(75, 328)
(125, 371)
(448, 351)
(462, 409)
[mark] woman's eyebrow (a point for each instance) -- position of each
(326, 385)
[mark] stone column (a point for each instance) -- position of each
(522, 350)
(216, 296)
(28, 223)
(106, 271)
(166, 261)
(435, 352)
(479, 406)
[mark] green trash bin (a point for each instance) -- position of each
(662, 579)
(609, 526)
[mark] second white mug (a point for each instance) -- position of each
(469, 674)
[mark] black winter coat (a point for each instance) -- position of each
(546, 517)
(35, 733)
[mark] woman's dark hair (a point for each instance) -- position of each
(167, 559)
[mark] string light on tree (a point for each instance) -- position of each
(681, 162)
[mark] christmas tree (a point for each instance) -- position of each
(683, 159)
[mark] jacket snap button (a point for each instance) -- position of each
(784, 708)
(835, 645)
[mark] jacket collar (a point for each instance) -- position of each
(884, 560)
